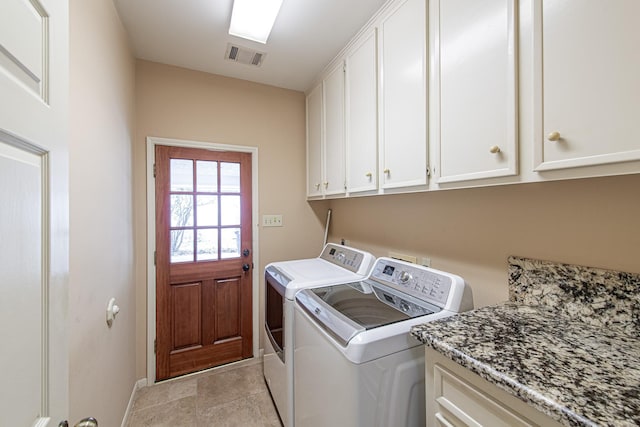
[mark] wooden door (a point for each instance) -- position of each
(34, 226)
(203, 259)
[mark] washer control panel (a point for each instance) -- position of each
(344, 256)
(421, 282)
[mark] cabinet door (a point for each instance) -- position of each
(475, 82)
(404, 93)
(334, 150)
(588, 68)
(314, 142)
(362, 115)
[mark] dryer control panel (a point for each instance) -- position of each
(420, 282)
(352, 259)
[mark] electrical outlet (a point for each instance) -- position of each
(407, 258)
(272, 220)
(425, 261)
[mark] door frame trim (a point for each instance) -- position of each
(152, 141)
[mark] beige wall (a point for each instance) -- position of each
(102, 76)
(172, 102)
(471, 232)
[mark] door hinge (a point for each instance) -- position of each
(155, 257)
(154, 170)
(155, 346)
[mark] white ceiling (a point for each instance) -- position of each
(194, 34)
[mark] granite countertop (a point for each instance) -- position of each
(576, 373)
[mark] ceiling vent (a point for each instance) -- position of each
(243, 55)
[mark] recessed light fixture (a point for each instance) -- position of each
(253, 19)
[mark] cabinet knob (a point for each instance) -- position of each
(317, 186)
(554, 136)
(494, 149)
(386, 171)
(326, 184)
(368, 175)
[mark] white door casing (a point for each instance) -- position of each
(34, 211)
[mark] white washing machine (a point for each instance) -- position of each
(355, 363)
(336, 264)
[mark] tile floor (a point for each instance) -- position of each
(233, 395)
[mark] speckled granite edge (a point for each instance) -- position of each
(576, 374)
(599, 297)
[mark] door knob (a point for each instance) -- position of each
(85, 422)
(245, 267)
(246, 252)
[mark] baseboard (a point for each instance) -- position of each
(137, 386)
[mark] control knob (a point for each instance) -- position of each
(404, 306)
(405, 277)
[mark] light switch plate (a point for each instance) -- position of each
(272, 220)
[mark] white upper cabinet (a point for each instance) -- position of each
(403, 89)
(473, 88)
(362, 115)
(314, 142)
(334, 131)
(587, 60)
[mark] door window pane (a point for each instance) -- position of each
(181, 175)
(181, 210)
(207, 210)
(230, 242)
(230, 210)
(207, 244)
(181, 245)
(230, 177)
(207, 176)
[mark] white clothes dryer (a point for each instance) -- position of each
(336, 264)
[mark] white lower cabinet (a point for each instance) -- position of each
(458, 397)
(587, 64)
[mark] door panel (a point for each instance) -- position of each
(203, 226)
(22, 286)
(228, 313)
(186, 315)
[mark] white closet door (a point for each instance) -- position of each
(33, 212)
